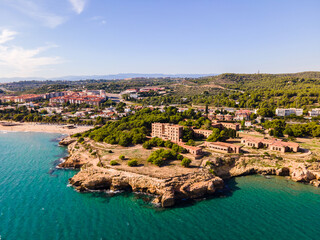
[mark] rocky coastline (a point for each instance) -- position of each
(169, 191)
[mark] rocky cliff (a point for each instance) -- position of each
(168, 191)
(241, 166)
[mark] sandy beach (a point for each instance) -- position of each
(41, 127)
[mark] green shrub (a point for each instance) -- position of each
(147, 145)
(81, 140)
(160, 156)
(133, 163)
(179, 157)
(114, 163)
(186, 162)
(76, 135)
(122, 157)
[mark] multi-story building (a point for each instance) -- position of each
(282, 112)
(314, 112)
(234, 126)
(78, 98)
(242, 115)
(167, 131)
(199, 133)
(220, 117)
(22, 98)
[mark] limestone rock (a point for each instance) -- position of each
(168, 199)
(67, 141)
(302, 175)
(189, 186)
(315, 183)
(283, 171)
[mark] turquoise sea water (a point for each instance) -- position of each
(36, 203)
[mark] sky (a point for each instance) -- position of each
(52, 38)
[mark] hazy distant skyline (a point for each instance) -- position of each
(47, 38)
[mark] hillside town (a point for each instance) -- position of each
(90, 107)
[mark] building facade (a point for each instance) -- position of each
(223, 147)
(283, 112)
(167, 131)
(271, 144)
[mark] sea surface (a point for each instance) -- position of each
(37, 203)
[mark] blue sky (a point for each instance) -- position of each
(51, 38)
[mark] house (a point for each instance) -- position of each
(220, 117)
(197, 151)
(234, 126)
(247, 123)
(228, 118)
(271, 144)
(200, 133)
(223, 147)
(242, 115)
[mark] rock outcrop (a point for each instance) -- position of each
(169, 191)
(67, 141)
(302, 174)
(77, 158)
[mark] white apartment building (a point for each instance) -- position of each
(282, 112)
(314, 112)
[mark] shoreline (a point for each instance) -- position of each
(45, 128)
(96, 174)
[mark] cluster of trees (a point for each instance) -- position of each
(200, 122)
(221, 135)
(162, 156)
(279, 127)
(246, 91)
(303, 130)
(158, 142)
(134, 128)
(25, 115)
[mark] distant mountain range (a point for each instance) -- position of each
(106, 77)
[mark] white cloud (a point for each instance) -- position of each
(37, 12)
(78, 5)
(17, 61)
(6, 36)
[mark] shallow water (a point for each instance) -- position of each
(36, 203)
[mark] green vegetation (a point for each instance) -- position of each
(162, 156)
(122, 157)
(186, 162)
(134, 128)
(114, 163)
(158, 142)
(221, 135)
(279, 127)
(133, 163)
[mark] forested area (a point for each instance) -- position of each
(133, 129)
(279, 128)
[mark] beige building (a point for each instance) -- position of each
(167, 131)
(223, 147)
(199, 133)
(272, 144)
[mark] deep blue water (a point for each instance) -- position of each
(36, 203)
